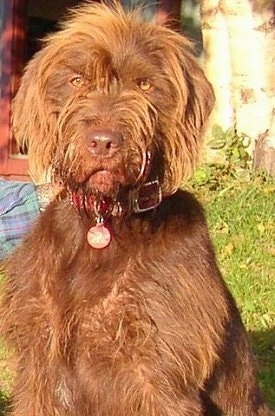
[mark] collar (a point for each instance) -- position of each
(143, 198)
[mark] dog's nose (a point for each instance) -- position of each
(104, 142)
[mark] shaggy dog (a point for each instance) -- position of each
(114, 305)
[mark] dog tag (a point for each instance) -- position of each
(99, 236)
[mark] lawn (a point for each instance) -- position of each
(241, 215)
(242, 223)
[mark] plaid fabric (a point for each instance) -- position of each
(18, 209)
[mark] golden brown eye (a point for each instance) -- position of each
(77, 81)
(144, 85)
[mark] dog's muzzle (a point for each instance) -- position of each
(144, 196)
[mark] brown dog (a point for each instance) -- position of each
(114, 304)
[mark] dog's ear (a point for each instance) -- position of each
(200, 101)
(33, 118)
(193, 98)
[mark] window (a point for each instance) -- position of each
(23, 23)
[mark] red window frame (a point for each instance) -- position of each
(12, 53)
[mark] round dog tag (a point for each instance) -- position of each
(99, 236)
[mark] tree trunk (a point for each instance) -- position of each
(264, 152)
(239, 40)
(217, 58)
(217, 66)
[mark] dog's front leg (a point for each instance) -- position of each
(234, 388)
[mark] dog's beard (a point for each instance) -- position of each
(98, 193)
(77, 169)
(99, 183)
(105, 181)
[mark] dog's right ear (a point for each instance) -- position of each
(33, 117)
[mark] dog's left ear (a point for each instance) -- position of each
(193, 98)
(200, 97)
(200, 102)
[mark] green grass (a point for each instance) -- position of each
(5, 378)
(242, 223)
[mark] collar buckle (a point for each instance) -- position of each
(146, 197)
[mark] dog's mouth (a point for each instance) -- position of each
(103, 181)
(105, 192)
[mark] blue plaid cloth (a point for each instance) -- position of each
(18, 209)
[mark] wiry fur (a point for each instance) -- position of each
(146, 326)
(116, 45)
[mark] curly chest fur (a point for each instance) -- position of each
(131, 338)
(120, 315)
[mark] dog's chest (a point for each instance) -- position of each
(100, 315)
(99, 338)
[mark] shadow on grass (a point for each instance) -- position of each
(263, 343)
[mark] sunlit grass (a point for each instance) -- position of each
(241, 217)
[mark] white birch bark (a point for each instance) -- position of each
(217, 66)
(239, 44)
(264, 152)
(217, 60)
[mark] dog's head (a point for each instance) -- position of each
(104, 92)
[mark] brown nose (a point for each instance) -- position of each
(104, 142)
